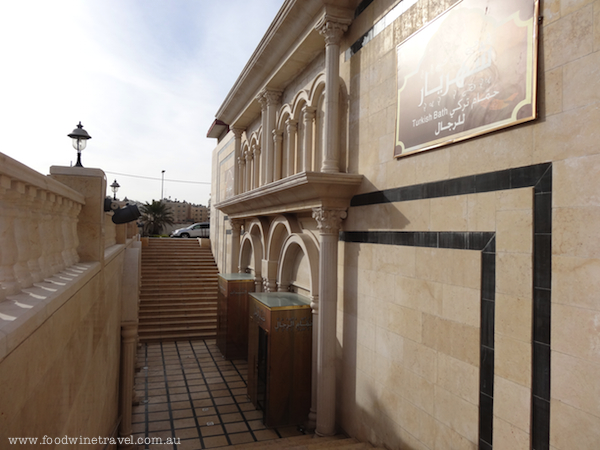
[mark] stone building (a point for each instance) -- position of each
(454, 277)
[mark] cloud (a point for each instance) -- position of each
(145, 77)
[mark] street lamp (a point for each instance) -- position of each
(80, 137)
(115, 187)
(162, 185)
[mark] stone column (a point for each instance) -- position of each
(248, 178)
(273, 99)
(242, 173)
(278, 154)
(308, 113)
(312, 415)
(290, 151)
(257, 165)
(265, 137)
(332, 29)
(237, 134)
(236, 228)
(129, 333)
(328, 223)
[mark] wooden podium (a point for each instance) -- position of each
(279, 356)
(232, 314)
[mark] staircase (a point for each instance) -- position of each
(306, 442)
(178, 299)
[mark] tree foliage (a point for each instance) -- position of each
(155, 216)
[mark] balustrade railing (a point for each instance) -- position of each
(38, 226)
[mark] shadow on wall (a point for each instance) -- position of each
(362, 411)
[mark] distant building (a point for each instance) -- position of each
(187, 212)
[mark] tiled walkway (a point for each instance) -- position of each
(191, 394)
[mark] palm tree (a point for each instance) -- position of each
(155, 216)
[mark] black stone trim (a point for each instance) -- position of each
(361, 7)
(539, 177)
(521, 177)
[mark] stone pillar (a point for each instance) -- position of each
(290, 151)
(312, 415)
(278, 154)
(332, 29)
(236, 228)
(237, 134)
(328, 223)
(90, 228)
(257, 166)
(273, 99)
(248, 177)
(128, 350)
(308, 113)
(265, 137)
(241, 162)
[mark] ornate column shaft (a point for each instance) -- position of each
(242, 173)
(248, 178)
(237, 134)
(236, 228)
(312, 415)
(308, 113)
(328, 224)
(332, 29)
(278, 154)
(257, 164)
(264, 139)
(273, 101)
(290, 151)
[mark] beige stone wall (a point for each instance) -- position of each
(63, 378)
(409, 317)
(222, 162)
(60, 309)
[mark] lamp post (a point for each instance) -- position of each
(115, 187)
(162, 185)
(80, 137)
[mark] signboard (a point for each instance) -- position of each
(470, 71)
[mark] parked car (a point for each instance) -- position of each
(196, 230)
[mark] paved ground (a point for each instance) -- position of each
(189, 392)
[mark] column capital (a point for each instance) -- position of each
(237, 132)
(292, 124)
(329, 220)
(332, 28)
(236, 225)
(309, 112)
(277, 135)
(269, 97)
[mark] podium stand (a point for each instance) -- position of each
(232, 314)
(279, 356)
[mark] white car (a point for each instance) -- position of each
(201, 230)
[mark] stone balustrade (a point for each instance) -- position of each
(38, 226)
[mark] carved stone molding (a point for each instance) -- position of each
(332, 28)
(237, 132)
(236, 225)
(329, 221)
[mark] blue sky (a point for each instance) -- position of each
(145, 78)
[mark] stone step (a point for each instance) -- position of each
(178, 295)
(305, 442)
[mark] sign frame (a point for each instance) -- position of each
(470, 71)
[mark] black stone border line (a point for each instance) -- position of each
(539, 177)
